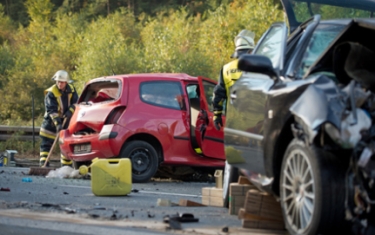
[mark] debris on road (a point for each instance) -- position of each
(188, 203)
(165, 202)
(5, 189)
(65, 172)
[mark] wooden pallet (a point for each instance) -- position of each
(261, 211)
(237, 196)
(212, 196)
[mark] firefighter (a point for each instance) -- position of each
(59, 104)
(244, 43)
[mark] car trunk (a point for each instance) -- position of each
(98, 105)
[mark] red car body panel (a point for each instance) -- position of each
(102, 129)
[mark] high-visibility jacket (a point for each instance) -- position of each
(228, 76)
(57, 103)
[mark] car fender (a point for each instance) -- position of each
(321, 102)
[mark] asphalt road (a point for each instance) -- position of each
(68, 206)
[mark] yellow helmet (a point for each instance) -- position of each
(61, 76)
(244, 41)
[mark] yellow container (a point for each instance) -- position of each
(111, 177)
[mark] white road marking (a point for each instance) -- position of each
(140, 191)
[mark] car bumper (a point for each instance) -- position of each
(105, 144)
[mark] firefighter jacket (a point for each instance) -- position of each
(228, 76)
(57, 104)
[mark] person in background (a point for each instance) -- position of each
(59, 102)
(229, 74)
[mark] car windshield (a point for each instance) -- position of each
(304, 10)
(320, 40)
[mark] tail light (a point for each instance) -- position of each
(114, 115)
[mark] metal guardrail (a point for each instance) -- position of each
(23, 133)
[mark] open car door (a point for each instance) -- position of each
(209, 139)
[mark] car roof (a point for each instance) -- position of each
(290, 5)
(150, 76)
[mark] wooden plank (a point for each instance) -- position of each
(242, 214)
(213, 201)
(236, 189)
(184, 202)
(243, 180)
(274, 225)
(212, 192)
(263, 205)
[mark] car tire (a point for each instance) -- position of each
(312, 190)
(144, 159)
(230, 175)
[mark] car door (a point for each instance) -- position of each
(246, 107)
(209, 139)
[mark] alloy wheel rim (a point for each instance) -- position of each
(298, 191)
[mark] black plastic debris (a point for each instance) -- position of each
(5, 189)
(113, 217)
(174, 224)
(69, 210)
(183, 218)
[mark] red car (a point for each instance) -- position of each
(153, 119)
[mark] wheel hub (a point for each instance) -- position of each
(140, 161)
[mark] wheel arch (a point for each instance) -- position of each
(285, 137)
(149, 139)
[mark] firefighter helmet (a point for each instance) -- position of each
(61, 76)
(244, 41)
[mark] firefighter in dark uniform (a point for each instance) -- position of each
(59, 103)
(229, 74)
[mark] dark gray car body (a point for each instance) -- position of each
(264, 104)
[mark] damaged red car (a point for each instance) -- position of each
(152, 119)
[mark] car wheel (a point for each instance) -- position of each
(312, 186)
(144, 160)
(230, 176)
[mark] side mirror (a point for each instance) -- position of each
(257, 64)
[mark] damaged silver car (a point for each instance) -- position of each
(300, 121)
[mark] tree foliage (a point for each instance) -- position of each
(93, 38)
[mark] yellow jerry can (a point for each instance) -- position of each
(111, 177)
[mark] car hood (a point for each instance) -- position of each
(299, 11)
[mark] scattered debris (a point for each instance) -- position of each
(27, 180)
(65, 193)
(69, 210)
(174, 224)
(165, 202)
(184, 217)
(94, 216)
(188, 203)
(99, 208)
(149, 215)
(1, 172)
(225, 229)
(135, 190)
(113, 217)
(5, 189)
(50, 205)
(65, 172)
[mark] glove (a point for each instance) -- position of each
(58, 127)
(218, 122)
(58, 124)
(68, 114)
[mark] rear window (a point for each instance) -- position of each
(101, 91)
(165, 94)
